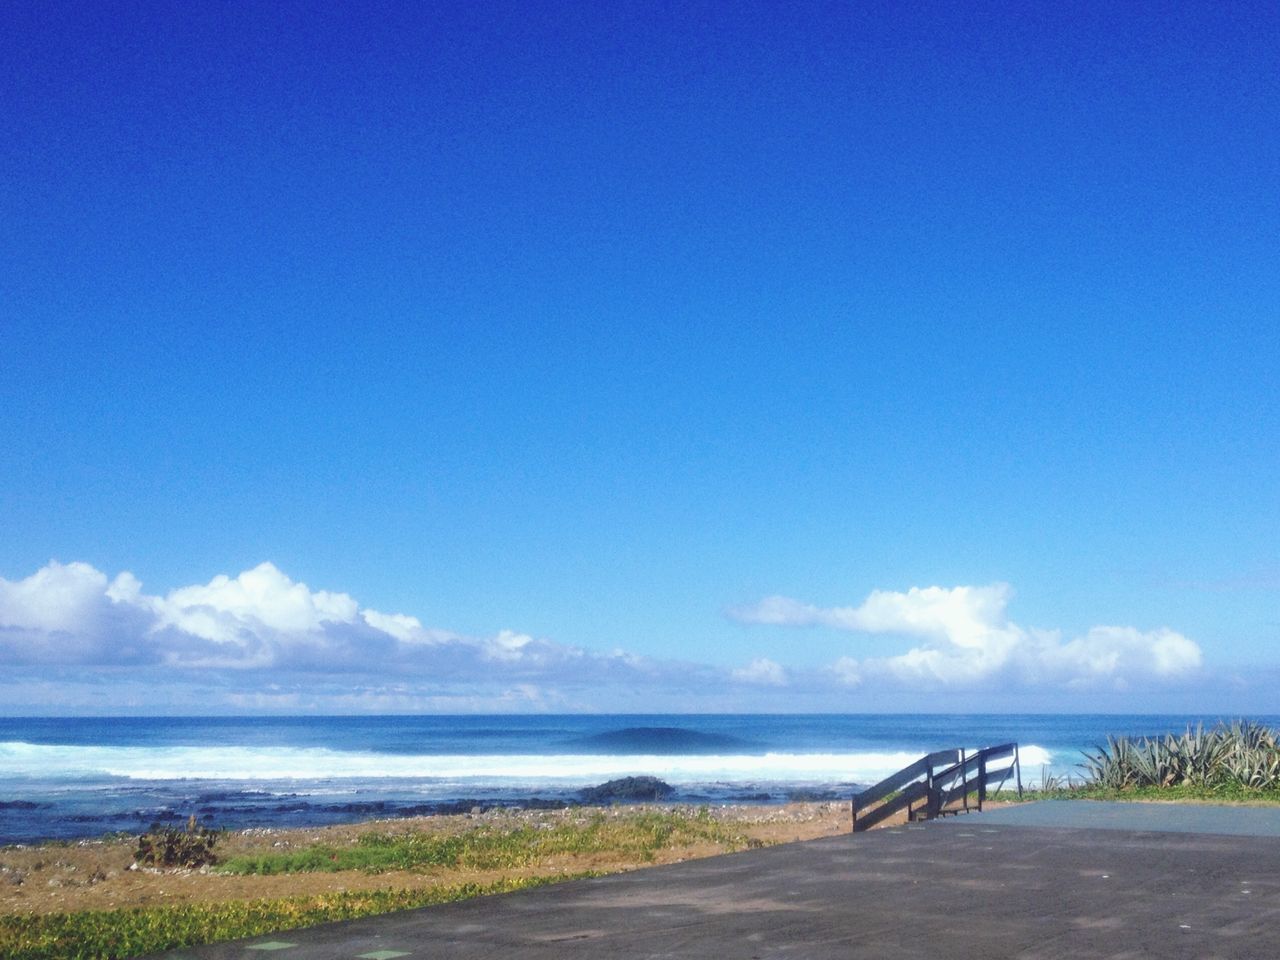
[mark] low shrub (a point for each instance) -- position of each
(171, 847)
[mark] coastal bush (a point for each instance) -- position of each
(1229, 758)
(118, 934)
(170, 847)
(1050, 783)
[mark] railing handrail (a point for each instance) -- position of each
(907, 798)
(896, 781)
(964, 774)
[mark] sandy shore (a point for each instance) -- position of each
(96, 874)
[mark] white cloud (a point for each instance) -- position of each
(848, 671)
(404, 628)
(781, 611)
(69, 613)
(762, 671)
(264, 641)
(237, 633)
(507, 645)
(1111, 651)
(966, 639)
(261, 598)
(73, 614)
(56, 598)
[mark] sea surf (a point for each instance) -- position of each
(67, 778)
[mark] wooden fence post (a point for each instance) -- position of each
(982, 779)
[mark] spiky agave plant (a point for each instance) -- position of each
(1251, 735)
(1155, 762)
(1254, 769)
(1240, 754)
(1111, 766)
(1203, 753)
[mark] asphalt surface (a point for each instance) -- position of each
(975, 887)
(1162, 817)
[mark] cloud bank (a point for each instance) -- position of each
(963, 637)
(260, 620)
(75, 638)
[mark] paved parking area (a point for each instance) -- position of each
(975, 887)
(1160, 817)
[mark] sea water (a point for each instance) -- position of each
(68, 778)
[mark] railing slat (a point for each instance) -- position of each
(892, 782)
(904, 776)
(970, 765)
(961, 775)
(911, 794)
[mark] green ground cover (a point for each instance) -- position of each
(639, 836)
(113, 934)
(612, 839)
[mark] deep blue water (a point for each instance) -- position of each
(81, 777)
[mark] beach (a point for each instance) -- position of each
(70, 876)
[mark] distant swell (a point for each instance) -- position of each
(659, 741)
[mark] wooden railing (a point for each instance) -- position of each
(937, 784)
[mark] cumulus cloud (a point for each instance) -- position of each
(1123, 652)
(262, 598)
(403, 627)
(261, 640)
(70, 613)
(847, 671)
(965, 638)
(74, 615)
(54, 599)
(763, 671)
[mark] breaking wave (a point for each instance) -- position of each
(22, 759)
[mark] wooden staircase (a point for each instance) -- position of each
(940, 783)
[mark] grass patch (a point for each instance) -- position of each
(118, 934)
(638, 836)
(1182, 793)
(581, 847)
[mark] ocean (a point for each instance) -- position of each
(68, 778)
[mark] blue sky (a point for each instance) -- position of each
(645, 356)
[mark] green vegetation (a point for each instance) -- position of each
(1236, 761)
(638, 836)
(170, 847)
(1183, 794)
(618, 839)
(116, 934)
(1240, 756)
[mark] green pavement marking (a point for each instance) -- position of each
(271, 945)
(382, 955)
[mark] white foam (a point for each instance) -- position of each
(20, 759)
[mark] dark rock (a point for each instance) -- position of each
(628, 789)
(811, 796)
